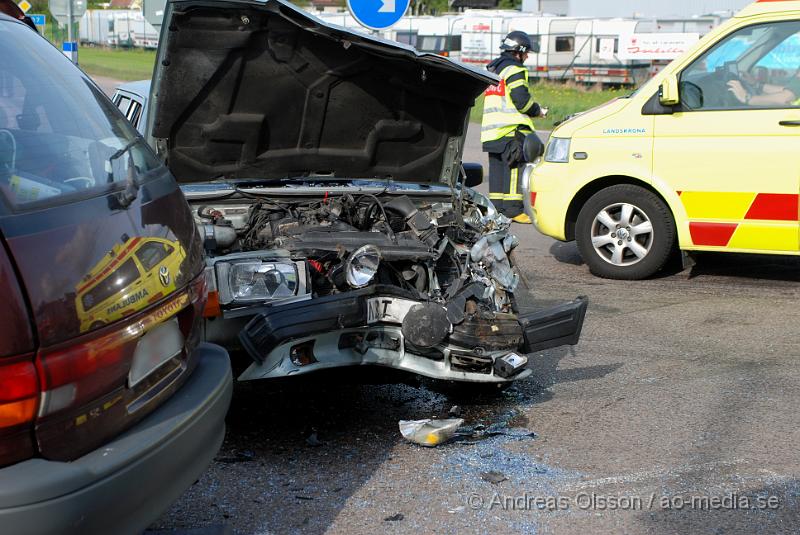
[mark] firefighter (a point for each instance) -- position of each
(508, 112)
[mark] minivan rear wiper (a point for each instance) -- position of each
(131, 191)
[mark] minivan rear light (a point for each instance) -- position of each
(98, 385)
(85, 370)
(19, 393)
(92, 366)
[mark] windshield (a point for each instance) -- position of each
(112, 285)
(58, 132)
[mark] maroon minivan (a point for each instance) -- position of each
(110, 405)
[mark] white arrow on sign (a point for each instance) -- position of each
(387, 6)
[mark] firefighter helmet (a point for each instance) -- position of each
(517, 42)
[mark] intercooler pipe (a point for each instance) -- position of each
(216, 236)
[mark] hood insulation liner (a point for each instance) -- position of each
(262, 90)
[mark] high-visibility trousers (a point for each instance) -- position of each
(504, 186)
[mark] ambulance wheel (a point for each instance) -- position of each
(625, 232)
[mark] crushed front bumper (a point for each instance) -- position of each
(341, 330)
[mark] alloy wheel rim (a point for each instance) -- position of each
(622, 234)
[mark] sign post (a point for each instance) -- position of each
(66, 12)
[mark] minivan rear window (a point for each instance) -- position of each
(60, 137)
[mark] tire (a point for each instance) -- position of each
(632, 251)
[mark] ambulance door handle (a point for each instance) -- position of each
(789, 123)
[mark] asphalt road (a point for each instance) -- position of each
(675, 414)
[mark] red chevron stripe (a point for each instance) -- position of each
(775, 207)
(714, 234)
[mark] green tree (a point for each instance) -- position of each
(429, 7)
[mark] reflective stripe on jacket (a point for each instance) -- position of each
(501, 118)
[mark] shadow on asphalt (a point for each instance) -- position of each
(566, 253)
(768, 267)
(746, 266)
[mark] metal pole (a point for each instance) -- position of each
(69, 19)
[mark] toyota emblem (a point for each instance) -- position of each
(163, 275)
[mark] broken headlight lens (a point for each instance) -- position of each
(259, 281)
(362, 266)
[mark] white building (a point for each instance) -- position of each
(633, 8)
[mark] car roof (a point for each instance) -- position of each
(761, 7)
(140, 87)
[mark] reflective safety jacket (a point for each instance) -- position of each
(509, 105)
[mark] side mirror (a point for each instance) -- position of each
(668, 92)
(532, 148)
(691, 96)
(473, 175)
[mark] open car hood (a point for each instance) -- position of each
(264, 90)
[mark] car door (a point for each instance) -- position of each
(729, 149)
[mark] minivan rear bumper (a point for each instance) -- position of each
(125, 485)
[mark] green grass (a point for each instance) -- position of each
(562, 99)
(117, 63)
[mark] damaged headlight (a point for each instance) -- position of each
(255, 281)
(362, 266)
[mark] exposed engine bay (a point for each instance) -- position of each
(422, 275)
(355, 240)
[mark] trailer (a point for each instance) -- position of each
(131, 29)
(597, 46)
(700, 25)
(94, 24)
(555, 37)
(482, 34)
(436, 35)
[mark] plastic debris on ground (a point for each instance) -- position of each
(430, 433)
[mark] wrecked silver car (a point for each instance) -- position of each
(323, 168)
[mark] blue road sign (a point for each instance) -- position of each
(39, 20)
(378, 14)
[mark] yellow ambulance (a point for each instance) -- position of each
(133, 275)
(704, 157)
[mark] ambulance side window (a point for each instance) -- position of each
(757, 67)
